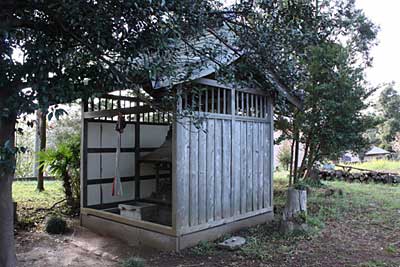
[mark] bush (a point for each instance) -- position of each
(64, 162)
(284, 155)
(56, 225)
(133, 262)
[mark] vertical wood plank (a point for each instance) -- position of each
(226, 168)
(256, 106)
(271, 149)
(206, 108)
(200, 102)
(260, 176)
(265, 164)
(202, 173)
(194, 171)
(249, 169)
(210, 168)
(219, 100)
(182, 173)
(236, 159)
(212, 100)
(242, 107)
(247, 105)
(255, 165)
(218, 170)
(243, 167)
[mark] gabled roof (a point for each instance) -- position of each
(198, 57)
(204, 55)
(377, 151)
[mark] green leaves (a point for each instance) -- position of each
(56, 112)
(63, 159)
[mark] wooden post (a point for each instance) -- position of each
(271, 154)
(84, 140)
(137, 154)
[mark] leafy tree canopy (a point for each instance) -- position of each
(389, 106)
(75, 48)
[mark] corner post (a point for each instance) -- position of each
(137, 154)
(84, 154)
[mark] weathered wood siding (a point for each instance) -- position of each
(223, 170)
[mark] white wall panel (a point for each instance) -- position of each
(128, 192)
(109, 135)
(93, 196)
(93, 166)
(128, 136)
(108, 165)
(153, 135)
(94, 134)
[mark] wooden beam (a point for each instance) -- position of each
(137, 153)
(109, 180)
(123, 149)
(215, 83)
(116, 112)
(283, 90)
(129, 221)
(120, 97)
(84, 154)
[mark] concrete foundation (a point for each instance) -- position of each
(141, 233)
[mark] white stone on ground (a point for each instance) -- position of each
(233, 243)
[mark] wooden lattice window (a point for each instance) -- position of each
(124, 103)
(219, 100)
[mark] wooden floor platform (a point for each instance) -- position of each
(142, 233)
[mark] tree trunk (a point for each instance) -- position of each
(7, 246)
(68, 190)
(303, 168)
(312, 157)
(291, 164)
(40, 146)
(296, 160)
(296, 202)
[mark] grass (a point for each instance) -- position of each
(379, 165)
(133, 262)
(205, 248)
(376, 206)
(373, 263)
(371, 204)
(33, 205)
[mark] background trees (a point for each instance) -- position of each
(72, 49)
(389, 108)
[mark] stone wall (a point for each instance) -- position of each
(365, 177)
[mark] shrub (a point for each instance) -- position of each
(133, 262)
(284, 155)
(56, 225)
(64, 162)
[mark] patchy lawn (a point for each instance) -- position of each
(351, 225)
(34, 206)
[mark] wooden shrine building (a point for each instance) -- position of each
(183, 179)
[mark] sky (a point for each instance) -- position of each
(384, 13)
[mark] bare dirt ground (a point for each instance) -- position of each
(338, 244)
(356, 226)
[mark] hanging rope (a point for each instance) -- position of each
(117, 184)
